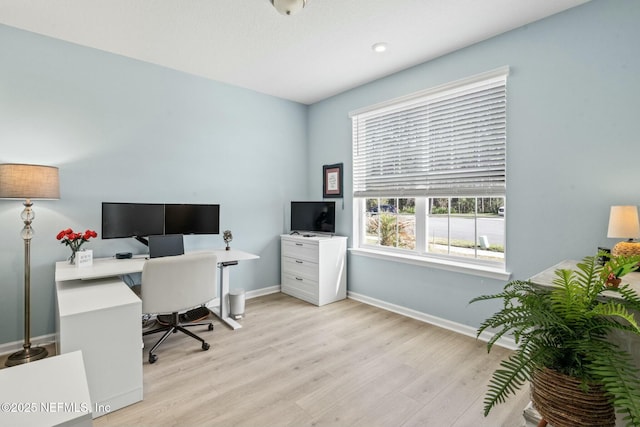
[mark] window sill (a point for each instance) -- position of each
(450, 265)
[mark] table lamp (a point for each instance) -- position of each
(23, 181)
(623, 223)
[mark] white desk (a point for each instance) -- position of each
(110, 267)
(47, 392)
(100, 315)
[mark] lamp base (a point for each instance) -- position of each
(626, 248)
(26, 355)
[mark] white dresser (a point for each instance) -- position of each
(314, 269)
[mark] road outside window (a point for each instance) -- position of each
(470, 227)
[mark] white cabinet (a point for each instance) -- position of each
(314, 269)
(101, 318)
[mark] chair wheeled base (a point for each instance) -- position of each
(173, 327)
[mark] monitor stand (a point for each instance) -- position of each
(142, 240)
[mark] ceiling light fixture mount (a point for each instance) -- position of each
(288, 7)
(379, 47)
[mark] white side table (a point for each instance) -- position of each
(48, 392)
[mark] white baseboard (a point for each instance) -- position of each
(12, 347)
(249, 294)
(433, 320)
(262, 291)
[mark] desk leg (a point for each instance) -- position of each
(222, 312)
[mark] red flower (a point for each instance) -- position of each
(75, 240)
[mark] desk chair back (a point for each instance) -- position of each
(178, 283)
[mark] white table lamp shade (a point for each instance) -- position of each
(623, 222)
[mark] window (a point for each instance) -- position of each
(429, 172)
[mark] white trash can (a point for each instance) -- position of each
(236, 303)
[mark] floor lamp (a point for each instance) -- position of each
(26, 182)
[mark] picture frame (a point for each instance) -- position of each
(84, 258)
(332, 181)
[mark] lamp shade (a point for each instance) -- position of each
(23, 181)
(623, 222)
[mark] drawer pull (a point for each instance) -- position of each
(299, 244)
(299, 279)
(299, 262)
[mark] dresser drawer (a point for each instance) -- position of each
(300, 287)
(299, 267)
(300, 294)
(303, 282)
(300, 250)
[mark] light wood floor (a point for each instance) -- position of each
(294, 364)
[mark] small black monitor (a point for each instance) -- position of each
(313, 216)
(121, 220)
(192, 219)
(167, 245)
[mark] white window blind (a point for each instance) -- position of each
(445, 141)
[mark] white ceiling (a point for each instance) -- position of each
(323, 50)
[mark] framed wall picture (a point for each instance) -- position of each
(332, 181)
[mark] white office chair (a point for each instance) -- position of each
(175, 284)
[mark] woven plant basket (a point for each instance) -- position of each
(562, 403)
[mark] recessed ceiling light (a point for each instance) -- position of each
(379, 47)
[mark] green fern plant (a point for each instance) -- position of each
(565, 328)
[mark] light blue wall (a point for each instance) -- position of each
(124, 130)
(573, 148)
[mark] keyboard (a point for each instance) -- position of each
(193, 315)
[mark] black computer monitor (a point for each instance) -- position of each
(166, 245)
(313, 216)
(121, 220)
(191, 219)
